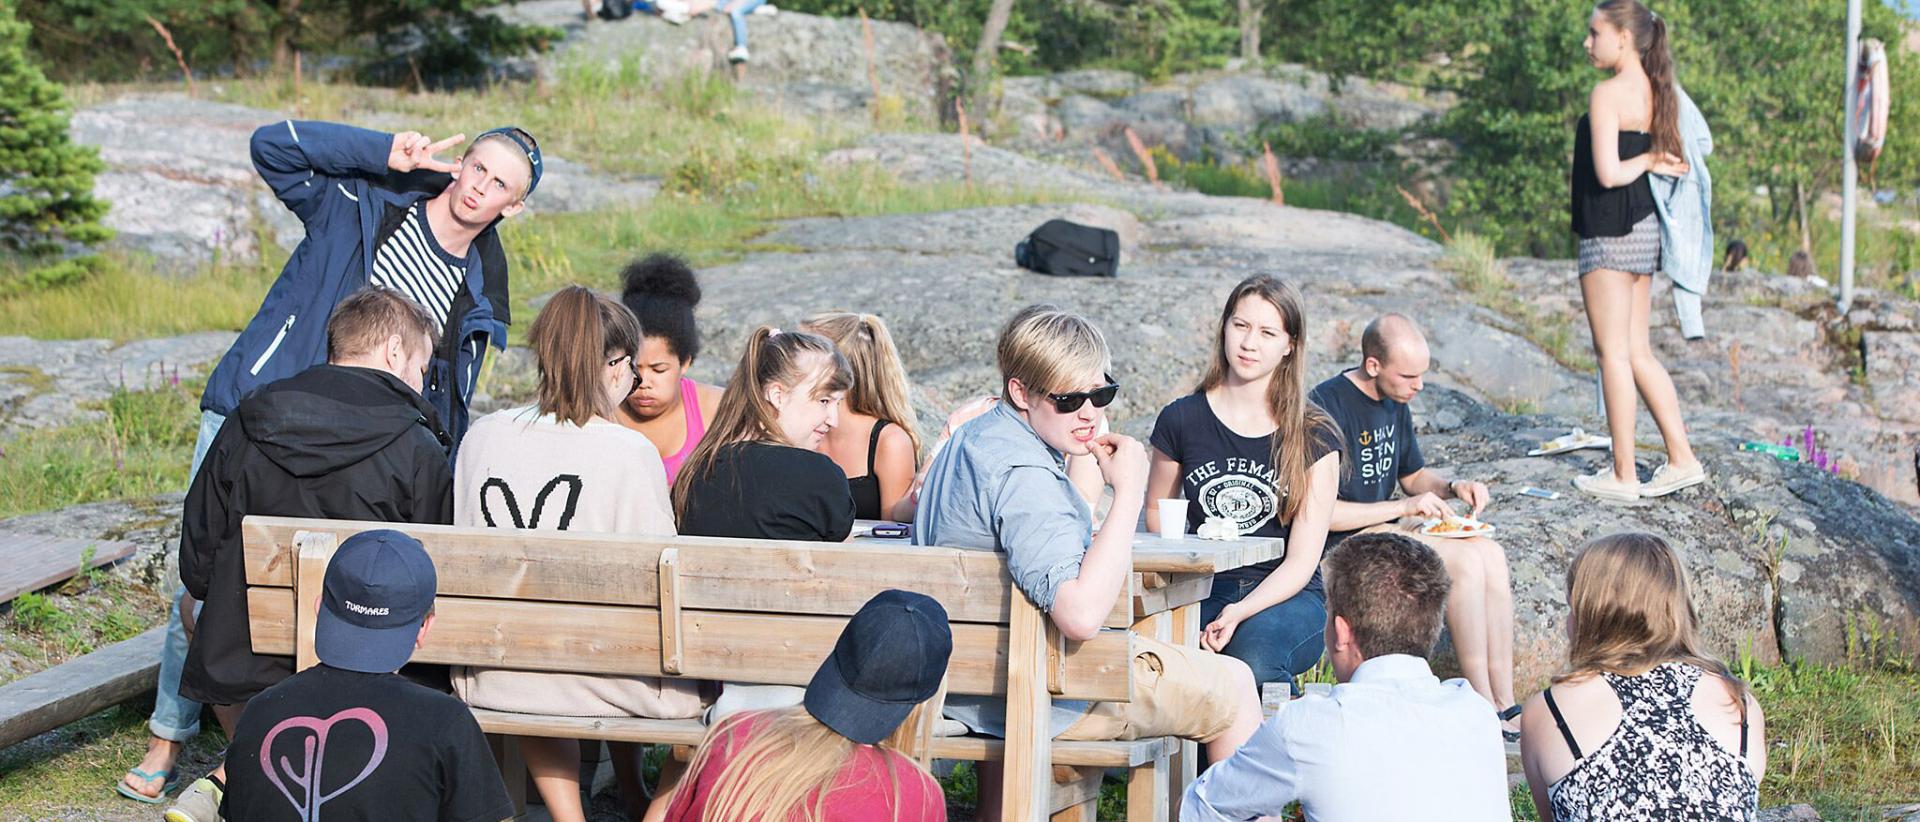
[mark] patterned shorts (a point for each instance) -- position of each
(1638, 252)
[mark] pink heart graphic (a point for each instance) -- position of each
(314, 751)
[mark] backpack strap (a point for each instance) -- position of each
(1561, 721)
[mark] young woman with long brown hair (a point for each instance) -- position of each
(756, 474)
(1631, 128)
(877, 442)
(1644, 724)
(1249, 447)
(563, 464)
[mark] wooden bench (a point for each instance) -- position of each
(766, 612)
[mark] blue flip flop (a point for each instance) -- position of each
(167, 784)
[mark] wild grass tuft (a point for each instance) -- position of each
(140, 445)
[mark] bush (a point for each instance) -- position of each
(46, 182)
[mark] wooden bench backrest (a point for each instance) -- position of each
(738, 610)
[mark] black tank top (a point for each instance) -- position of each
(866, 489)
(1599, 211)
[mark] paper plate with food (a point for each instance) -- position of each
(1454, 528)
(1571, 441)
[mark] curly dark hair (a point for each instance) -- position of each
(661, 290)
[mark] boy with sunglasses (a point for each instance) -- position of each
(1001, 483)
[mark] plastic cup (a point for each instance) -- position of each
(1173, 518)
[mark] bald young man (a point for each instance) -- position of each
(1370, 404)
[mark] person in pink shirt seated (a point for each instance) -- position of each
(834, 757)
(666, 405)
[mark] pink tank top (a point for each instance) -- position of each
(696, 427)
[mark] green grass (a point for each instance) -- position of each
(728, 163)
(140, 446)
(76, 766)
(1477, 269)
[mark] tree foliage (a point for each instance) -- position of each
(46, 181)
(112, 40)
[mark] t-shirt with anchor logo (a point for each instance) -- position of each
(1381, 445)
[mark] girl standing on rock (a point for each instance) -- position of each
(876, 431)
(1248, 446)
(666, 405)
(1631, 128)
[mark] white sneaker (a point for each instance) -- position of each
(1666, 480)
(737, 55)
(676, 12)
(1604, 486)
(767, 9)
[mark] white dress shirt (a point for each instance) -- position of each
(1393, 743)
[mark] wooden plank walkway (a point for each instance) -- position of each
(29, 562)
(41, 702)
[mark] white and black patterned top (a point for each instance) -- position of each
(413, 263)
(1660, 764)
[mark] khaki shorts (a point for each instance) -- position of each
(1190, 693)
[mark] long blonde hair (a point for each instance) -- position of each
(772, 356)
(1295, 418)
(1630, 608)
(788, 756)
(879, 379)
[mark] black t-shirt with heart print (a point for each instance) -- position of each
(341, 746)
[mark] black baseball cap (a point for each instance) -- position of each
(891, 657)
(378, 589)
(524, 141)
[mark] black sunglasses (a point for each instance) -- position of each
(1102, 397)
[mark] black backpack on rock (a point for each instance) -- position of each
(1069, 249)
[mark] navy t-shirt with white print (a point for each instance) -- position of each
(1381, 444)
(1225, 474)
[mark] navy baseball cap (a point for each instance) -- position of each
(379, 588)
(527, 145)
(891, 657)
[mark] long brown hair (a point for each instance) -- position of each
(572, 339)
(788, 358)
(788, 756)
(879, 379)
(1649, 32)
(1630, 608)
(1295, 419)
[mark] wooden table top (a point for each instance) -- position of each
(1192, 555)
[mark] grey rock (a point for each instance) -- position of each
(1893, 369)
(183, 189)
(47, 383)
(811, 64)
(1097, 82)
(1789, 813)
(152, 523)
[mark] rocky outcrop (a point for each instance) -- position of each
(810, 64)
(47, 383)
(1199, 115)
(183, 189)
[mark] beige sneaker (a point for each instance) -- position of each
(1603, 485)
(1667, 480)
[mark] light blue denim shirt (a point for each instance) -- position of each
(997, 485)
(1685, 206)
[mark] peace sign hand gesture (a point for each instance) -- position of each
(413, 150)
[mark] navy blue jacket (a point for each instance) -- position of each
(335, 179)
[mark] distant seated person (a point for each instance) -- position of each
(680, 11)
(350, 740)
(1370, 405)
(1001, 484)
(837, 755)
(1643, 725)
(1392, 742)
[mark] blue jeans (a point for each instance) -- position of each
(175, 717)
(738, 10)
(1278, 643)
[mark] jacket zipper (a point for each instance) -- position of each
(272, 347)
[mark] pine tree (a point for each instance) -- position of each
(46, 181)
